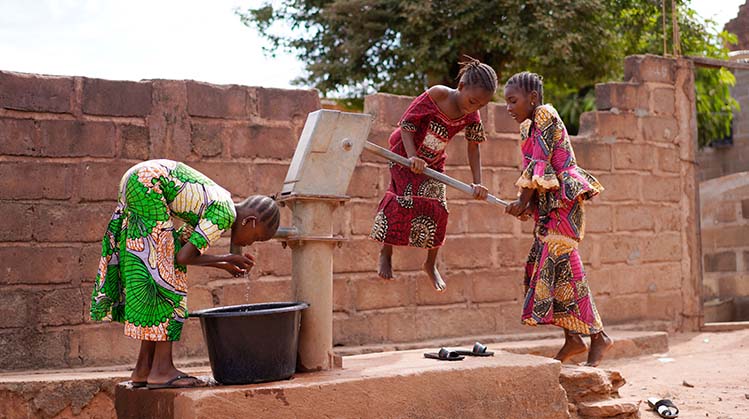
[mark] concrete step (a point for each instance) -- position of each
(609, 409)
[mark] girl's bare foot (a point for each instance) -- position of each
(385, 268)
(599, 344)
(573, 345)
(434, 275)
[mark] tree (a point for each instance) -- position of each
(355, 47)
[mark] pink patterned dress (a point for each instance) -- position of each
(557, 290)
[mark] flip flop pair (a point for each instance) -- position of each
(171, 383)
(664, 407)
(460, 354)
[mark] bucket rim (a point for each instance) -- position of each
(226, 311)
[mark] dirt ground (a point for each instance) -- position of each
(704, 374)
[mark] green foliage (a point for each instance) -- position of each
(355, 47)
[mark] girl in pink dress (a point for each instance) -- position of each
(413, 211)
(553, 189)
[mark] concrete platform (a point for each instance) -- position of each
(90, 392)
(385, 385)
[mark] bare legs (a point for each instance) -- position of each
(385, 268)
(574, 344)
(155, 365)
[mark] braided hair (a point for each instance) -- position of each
(475, 73)
(266, 210)
(528, 82)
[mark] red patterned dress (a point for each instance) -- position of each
(413, 211)
(558, 290)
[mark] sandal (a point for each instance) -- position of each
(664, 407)
(138, 384)
(445, 355)
(478, 350)
(170, 383)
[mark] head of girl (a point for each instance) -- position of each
(257, 220)
(523, 93)
(477, 85)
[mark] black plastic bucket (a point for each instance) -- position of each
(252, 343)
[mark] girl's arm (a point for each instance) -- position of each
(417, 164)
(474, 160)
(234, 264)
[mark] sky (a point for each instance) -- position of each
(167, 39)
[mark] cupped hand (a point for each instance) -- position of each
(239, 265)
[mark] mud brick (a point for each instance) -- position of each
(216, 101)
(611, 125)
(467, 252)
(343, 299)
(89, 261)
(267, 178)
(207, 140)
(24, 344)
(264, 141)
(360, 328)
(71, 223)
(62, 306)
(635, 279)
(405, 258)
(745, 208)
(620, 187)
(19, 137)
(513, 253)
(76, 139)
(191, 343)
(18, 308)
(634, 157)
(720, 262)
(116, 98)
(271, 258)
(507, 318)
(503, 184)
(490, 286)
(103, 344)
(386, 109)
(41, 265)
(668, 160)
(21, 227)
(623, 248)
(626, 96)
(634, 217)
(725, 213)
(199, 297)
(434, 322)
(362, 216)
(664, 247)
(487, 218)
(357, 255)
(136, 143)
(667, 218)
(264, 290)
(375, 293)
(464, 175)
(503, 122)
(380, 136)
(458, 289)
(366, 182)
(501, 151)
(239, 179)
(101, 181)
(456, 222)
(662, 189)
(456, 152)
(649, 68)
(592, 155)
(621, 308)
(659, 128)
(663, 101)
(30, 92)
(598, 218)
(285, 105)
(733, 237)
(50, 180)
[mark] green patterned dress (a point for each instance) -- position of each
(139, 282)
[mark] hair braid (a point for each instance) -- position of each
(529, 82)
(475, 73)
(267, 211)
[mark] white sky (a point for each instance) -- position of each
(168, 39)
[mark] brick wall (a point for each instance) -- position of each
(64, 143)
(740, 27)
(725, 248)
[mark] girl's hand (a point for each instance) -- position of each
(516, 208)
(480, 192)
(417, 165)
(238, 265)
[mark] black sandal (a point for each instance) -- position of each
(664, 407)
(138, 384)
(445, 355)
(170, 383)
(478, 350)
